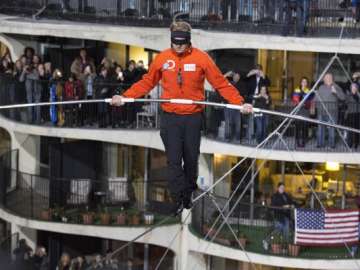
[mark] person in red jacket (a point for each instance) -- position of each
(73, 91)
(182, 70)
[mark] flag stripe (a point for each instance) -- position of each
(341, 225)
(330, 236)
(350, 229)
(338, 241)
(341, 219)
(341, 212)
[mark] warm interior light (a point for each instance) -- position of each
(332, 166)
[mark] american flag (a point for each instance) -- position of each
(330, 228)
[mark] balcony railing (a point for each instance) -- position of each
(307, 17)
(112, 201)
(219, 124)
(254, 225)
(86, 201)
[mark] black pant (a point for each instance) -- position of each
(291, 5)
(181, 136)
(353, 121)
(301, 129)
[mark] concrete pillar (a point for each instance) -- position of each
(245, 266)
(110, 160)
(185, 259)
(193, 261)
(218, 263)
(146, 256)
(29, 152)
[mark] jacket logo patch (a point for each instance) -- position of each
(189, 67)
(170, 64)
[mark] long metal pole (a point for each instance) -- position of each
(185, 102)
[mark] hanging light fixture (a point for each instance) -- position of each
(332, 166)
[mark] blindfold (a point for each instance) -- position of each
(180, 37)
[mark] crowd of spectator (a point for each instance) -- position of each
(26, 259)
(270, 11)
(331, 103)
(29, 79)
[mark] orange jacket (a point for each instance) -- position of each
(193, 67)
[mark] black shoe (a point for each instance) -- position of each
(187, 201)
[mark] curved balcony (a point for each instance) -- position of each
(138, 124)
(85, 206)
(314, 18)
(254, 225)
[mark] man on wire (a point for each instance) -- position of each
(182, 70)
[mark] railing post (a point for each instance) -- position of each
(252, 192)
(312, 183)
(343, 197)
(2, 182)
(118, 7)
(146, 177)
(31, 197)
(202, 216)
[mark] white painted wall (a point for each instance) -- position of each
(15, 47)
(29, 151)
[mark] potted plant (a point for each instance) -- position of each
(149, 218)
(46, 214)
(57, 213)
(293, 249)
(207, 230)
(135, 219)
(242, 239)
(208, 227)
(88, 217)
(276, 243)
(121, 217)
(105, 217)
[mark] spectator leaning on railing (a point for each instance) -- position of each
(73, 91)
(64, 262)
(301, 9)
(301, 127)
(22, 254)
(31, 76)
(327, 106)
(254, 79)
(182, 71)
(233, 117)
(89, 110)
(103, 89)
(40, 260)
(261, 101)
(353, 114)
(282, 213)
(80, 62)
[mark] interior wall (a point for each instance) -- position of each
(139, 53)
(300, 64)
(117, 52)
